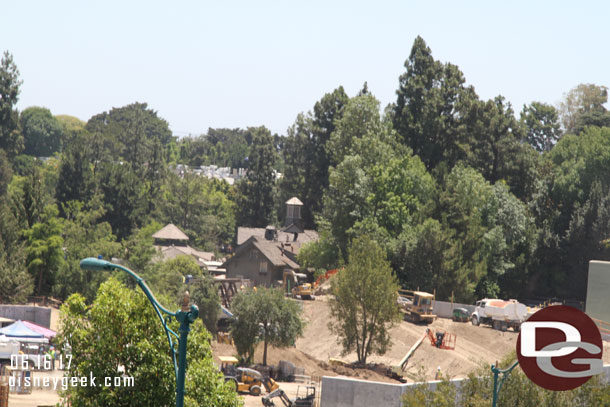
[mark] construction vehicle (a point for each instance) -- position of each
(441, 340)
(416, 306)
(245, 380)
(297, 286)
(307, 400)
(460, 315)
(500, 314)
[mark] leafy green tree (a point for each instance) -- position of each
(584, 98)
(360, 117)
(495, 134)
(200, 208)
(167, 278)
(222, 147)
(420, 256)
(31, 193)
(306, 155)
(431, 100)
(139, 246)
(44, 249)
(41, 132)
(124, 198)
(69, 126)
(76, 177)
(120, 329)
(6, 173)
(594, 118)
(542, 125)
(364, 306)
(490, 231)
(84, 236)
(518, 390)
(135, 135)
(256, 191)
(136, 128)
(15, 282)
(264, 314)
(11, 140)
(323, 254)
(402, 193)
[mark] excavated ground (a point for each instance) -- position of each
(475, 346)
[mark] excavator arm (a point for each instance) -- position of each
(267, 400)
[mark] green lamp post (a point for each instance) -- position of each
(186, 315)
(498, 382)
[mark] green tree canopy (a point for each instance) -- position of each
(582, 99)
(84, 236)
(200, 207)
(42, 133)
(365, 305)
(120, 329)
(306, 155)
(264, 315)
(542, 125)
(15, 281)
(167, 278)
(431, 101)
(44, 249)
(11, 140)
(256, 192)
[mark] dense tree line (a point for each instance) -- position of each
(463, 195)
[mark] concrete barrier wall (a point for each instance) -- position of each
(346, 392)
(445, 309)
(37, 315)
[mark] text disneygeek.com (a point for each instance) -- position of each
(25, 381)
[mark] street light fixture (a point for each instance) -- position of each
(186, 315)
(499, 381)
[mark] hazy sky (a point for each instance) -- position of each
(231, 64)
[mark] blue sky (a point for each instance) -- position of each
(207, 64)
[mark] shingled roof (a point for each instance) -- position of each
(272, 250)
(170, 232)
(306, 236)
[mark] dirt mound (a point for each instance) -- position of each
(312, 366)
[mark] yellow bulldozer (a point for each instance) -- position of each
(416, 306)
(245, 380)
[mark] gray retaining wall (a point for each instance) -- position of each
(346, 392)
(36, 315)
(445, 309)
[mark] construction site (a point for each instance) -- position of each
(465, 349)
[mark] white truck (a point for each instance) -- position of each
(13, 351)
(500, 314)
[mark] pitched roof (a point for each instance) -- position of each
(170, 232)
(244, 234)
(170, 252)
(272, 250)
(294, 201)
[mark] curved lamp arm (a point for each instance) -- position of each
(498, 382)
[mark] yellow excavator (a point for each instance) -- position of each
(297, 286)
(245, 380)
